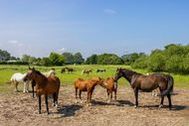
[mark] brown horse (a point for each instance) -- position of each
(44, 86)
(148, 83)
(86, 71)
(100, 70)
(111, 87)
(87, 86)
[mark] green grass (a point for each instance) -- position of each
(6, 71)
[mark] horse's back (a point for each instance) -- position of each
(17, 77)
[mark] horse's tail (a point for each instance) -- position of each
(170, 85)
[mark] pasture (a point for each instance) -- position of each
(18, 108)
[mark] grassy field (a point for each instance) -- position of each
(6, 71)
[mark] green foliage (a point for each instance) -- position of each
(45, 61)
(56, 59)
(69, 58)
(131, 58)
(4, 55)
(156, 61)
(109, 59)
(92, 59)
(78, 59)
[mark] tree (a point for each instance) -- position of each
(25, 58)
(78, 59)
(109, 59)
(45, 61)
(131, 58)
(92, 59)
(4, 55)
(56, 59)
(69, 58)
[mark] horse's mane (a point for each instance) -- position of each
(131, 72)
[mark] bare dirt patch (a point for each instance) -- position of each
(22, 109)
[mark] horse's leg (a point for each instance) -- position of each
(115, 94)
(162, 98)
(54, 98)
(39, 100)
(169, 99)
(16, 86)
(46, 102)
(108, 93)
(80, 94)
(75, 93)
(27, 87)
(111, 95)
(24, 91)
(136, 97)
(33, 88)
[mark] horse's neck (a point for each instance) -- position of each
(41, 80)
(129, 76)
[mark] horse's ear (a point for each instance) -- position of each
(29, 68)
(33, 68)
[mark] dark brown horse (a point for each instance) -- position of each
(44, 86)
(87, 86)
(100, 70)
(111, 87)
(148, 83)
(86, 71)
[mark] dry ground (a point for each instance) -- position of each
(22, 109)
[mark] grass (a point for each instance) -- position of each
(6, 71)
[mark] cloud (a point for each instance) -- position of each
(13, 41)
(110, 11)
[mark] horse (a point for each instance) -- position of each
(86, 71)
(148, 83)
(47, 74)
(19, 78)
(44, 86)
(101, 70)
(86, 86)
(63, 70)
(69, 70)
(111, 87)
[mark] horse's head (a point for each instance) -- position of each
(97, 80)
(31, 74)
(119, 74)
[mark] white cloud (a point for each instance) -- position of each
(110, 11)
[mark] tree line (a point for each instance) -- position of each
(173, 58)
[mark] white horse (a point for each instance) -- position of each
(19, 78)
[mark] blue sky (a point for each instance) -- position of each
(37, 27)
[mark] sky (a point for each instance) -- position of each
(38, 27)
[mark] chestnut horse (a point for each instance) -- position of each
(44, 86)
(148, 83)
(87, 86)
(111, 87)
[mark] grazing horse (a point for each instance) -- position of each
(148, 83)
(100, 70)
(87, 86)
(111, 87)
(86, 71)
(44, 86)
(63, 70)
(69, 70)
(19, 78)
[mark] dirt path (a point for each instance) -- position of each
(22, 109)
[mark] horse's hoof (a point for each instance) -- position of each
(136, 106)
(160, 106)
